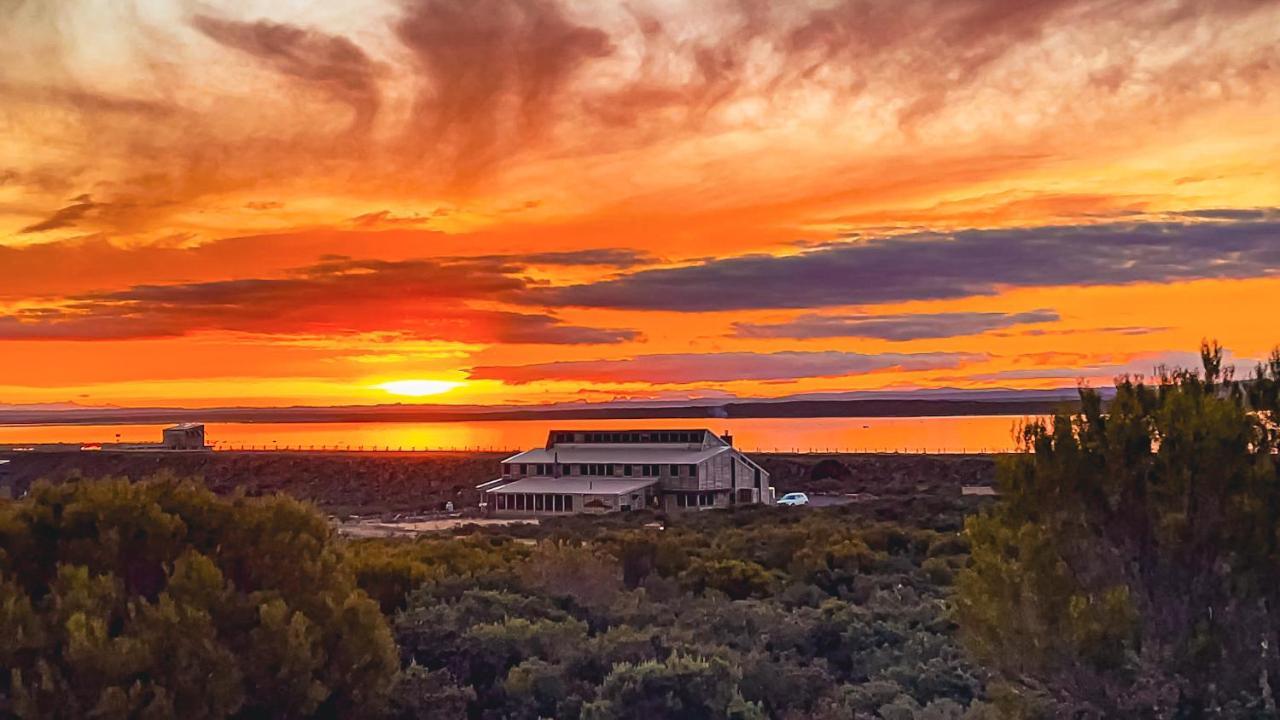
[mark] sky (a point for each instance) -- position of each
(531, 201)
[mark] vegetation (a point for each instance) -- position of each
(753, 613)
(160, 600)
(1132, 567)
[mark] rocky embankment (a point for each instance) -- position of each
(368, 483)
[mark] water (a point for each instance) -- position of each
(912, 434)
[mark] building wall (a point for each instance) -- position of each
(192, 439)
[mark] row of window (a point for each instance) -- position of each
(703, 499)
(688, 438)
(555, 502)
(599, 470)
(545, 502)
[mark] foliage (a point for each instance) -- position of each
(746, 613)
(1131, 566)
(158, 599)
(678, 687)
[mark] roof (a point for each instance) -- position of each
(625, 454)
(186, 426)
(576, 485)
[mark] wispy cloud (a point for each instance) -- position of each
(332, 64)
(67, 216)
(684, 368)
(916, 326)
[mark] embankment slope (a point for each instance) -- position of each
(365, 483)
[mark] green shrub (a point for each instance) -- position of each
(1132, 565)
(159, 599)
(681, 687)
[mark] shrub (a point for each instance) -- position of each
(738, 579)
(684, 687)
(1132, 563)
(159, 599)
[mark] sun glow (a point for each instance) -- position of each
(418, 388)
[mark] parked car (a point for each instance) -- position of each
(794, 499)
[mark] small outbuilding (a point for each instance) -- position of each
(186, 436)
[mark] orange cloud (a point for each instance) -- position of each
(555, 187)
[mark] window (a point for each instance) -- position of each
(626, 470)
(675, 471)
(703, 499)
(693, 471)
(537, 502)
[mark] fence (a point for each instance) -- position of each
(273, 447)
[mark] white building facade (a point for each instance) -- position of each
(601, 471)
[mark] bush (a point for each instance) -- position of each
(421, 694)
(598, 618)
(1132, 564)
(688, 688)
(738, 579)
(159, 599)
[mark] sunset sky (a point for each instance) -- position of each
(272, 202)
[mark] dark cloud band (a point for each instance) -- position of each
(422, 299)
(935, 266)
(894, 327)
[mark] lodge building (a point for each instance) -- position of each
(595, 471)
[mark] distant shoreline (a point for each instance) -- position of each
(401, 413)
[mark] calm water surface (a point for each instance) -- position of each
(929, 434)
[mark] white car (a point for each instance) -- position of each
(794, 499)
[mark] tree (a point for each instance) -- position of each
(158, 599)
(1132, 565)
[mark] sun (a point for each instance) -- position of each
(418, 388)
